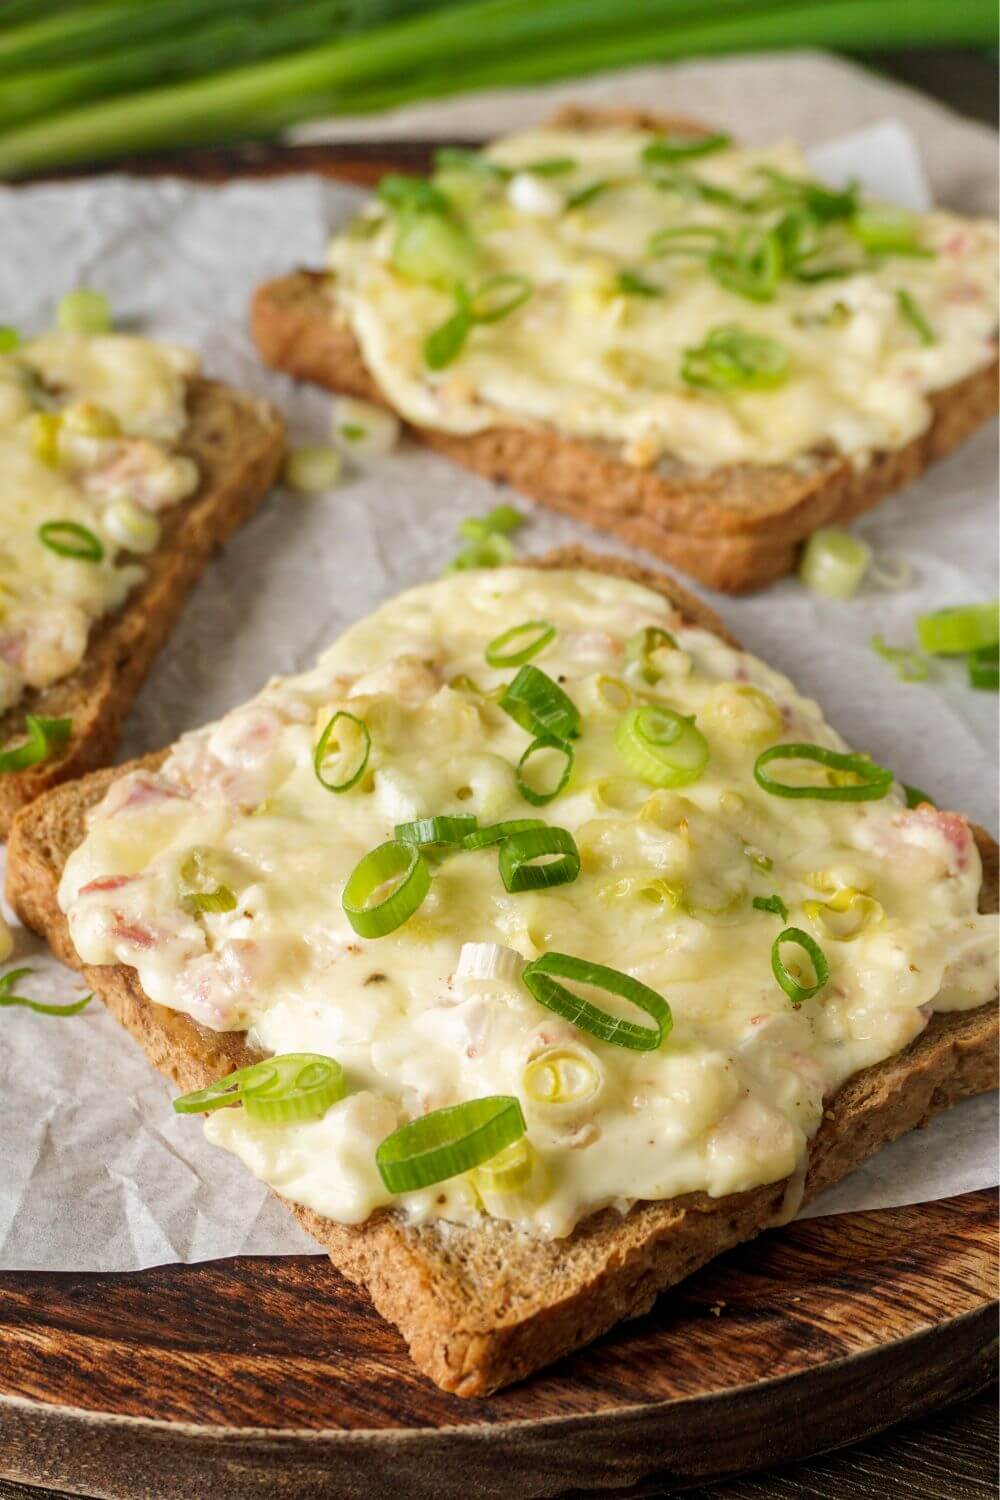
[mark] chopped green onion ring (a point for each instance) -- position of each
(412, 194)
(662, 747)
(631, 284)
(795, 991)
(219, 899)
(70, 539)
(984, 669)
(751, 266)
(44, 736)
(666, 149)
(914, 796)
(7, 997)
(731, 359)
(502, 519)
(556, 997)
(587, 194)
(490, 551)
(519, 850)
(10, 339)
(540, 706)
(641, 646)
(551, 166)
(909, 666)
(873, 783)
(395, 864)
(540, 634)
(436, 831)
(698, 240)
(498, 296)
(459, 159)
(445, 1142)
(834, 562)
(284, 1090)
(483, 838)
(323, 747)
(532, 794)
(966, 627)
(773, 904)
(911, 311)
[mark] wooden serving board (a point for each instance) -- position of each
(274, 1377)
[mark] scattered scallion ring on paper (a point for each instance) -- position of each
(984, 669)
(541, 978)
(872, 781)
(909, 666)
(834, 562)
(70, 539)
(520, 853)
(793, 988)
(445, 1142)
(966, 627)
(385, 888)
(285, 1090)
(44, 737)
(328, 744)
(534, 635)
(40, 1007)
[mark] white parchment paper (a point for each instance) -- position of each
(96, 1171)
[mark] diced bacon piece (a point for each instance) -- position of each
(106, 883)
(137, 934)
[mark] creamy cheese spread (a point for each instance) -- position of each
(598, 349)
(734, 1093)
(88, 425)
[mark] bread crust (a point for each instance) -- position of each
(733, 528)
(482, 1307)
(238, 443)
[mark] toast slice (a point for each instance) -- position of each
(482, 1307)
(238, 444)
(734, 528)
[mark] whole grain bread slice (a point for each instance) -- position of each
(238, 443)
(734, 528)
(481, 1307)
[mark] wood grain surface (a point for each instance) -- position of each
(273, 1377)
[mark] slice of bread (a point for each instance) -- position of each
(734, 528)
(481, 1307)
(238, 443)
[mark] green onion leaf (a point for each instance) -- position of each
(329, 744)
(802, 195)
(44, 737)
(502, 519)
(495, 298)
(534, 795)
(501, 652)
(834, 562)
(519, 851)
(556, 997)
(540, 706)
(412, 194)
(662, 747)
(641, 646)
(631, 284)
(433, 248)
(793, 988)
(966, 627)
(909, 666)
(285, 1090)
(587, 194)
(551, 166)
(483, 838)
(70, 539)
(385, 888)
(219, 899)
(773, 904)
(498, 296)
(83, 311)
(751, 265)
(458, 159)
(885, 230)
(490, 551)
(914, 796)
(445, 1142)
(10, 339)
(667, 149)
(7, 997)
(441, 831)
(732, 360)
(910, 310)
(871, 782)
(984, 669)
(699, 240)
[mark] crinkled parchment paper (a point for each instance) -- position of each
(97, 1171)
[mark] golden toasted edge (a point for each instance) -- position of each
(480, 1308)
(238, 443)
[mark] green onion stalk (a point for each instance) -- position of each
(471, 45)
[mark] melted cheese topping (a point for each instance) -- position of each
(733, 1095)
(589, 361)
(86, 424)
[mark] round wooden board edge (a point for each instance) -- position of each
(681, 1442)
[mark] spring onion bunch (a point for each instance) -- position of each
(204, 71)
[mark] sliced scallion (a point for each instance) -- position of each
(445, 1142)
(773, 904)
(642, 646)
(540, 706)
(910, 309)
(520, 851)
(439, 831)
(503, 652)
(834, 562)
(329, 744)
(41, 1008)
(221, 899)
(10, 339)
(538, 796)
(793, 988)
(385, 888)
(751, 265)
(501, 519)
(70, 539)
(44, 736)
(662, 747)
(967, 627)
(731, 359)
(483, 838)
(633, 285)
(914, 796)
(886, 230)
(667, 149)
(984, 669)
(909, 666)
(285, 1090)
(541, 979)
(83, 311)
(871, 782)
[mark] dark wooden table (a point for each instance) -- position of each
(953, 1455)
